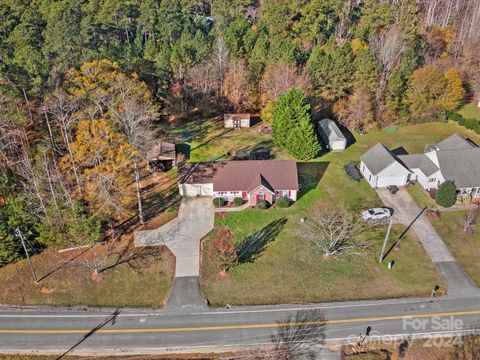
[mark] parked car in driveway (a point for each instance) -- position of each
(393, 189)
(376, 214)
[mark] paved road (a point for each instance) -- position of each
(407, 212)
(141, 332)
(182, 236)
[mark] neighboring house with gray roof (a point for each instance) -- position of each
(381, 168)
(331, 135)
(453, 159)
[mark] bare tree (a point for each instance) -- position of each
(279, 78)
(388, 47)
(335, 232)
(470, 219)
(135, 116)
(61, 107)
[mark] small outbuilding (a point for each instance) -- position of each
(237, 121)
(332, 135)
(162, 157)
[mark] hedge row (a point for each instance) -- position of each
(471, 124)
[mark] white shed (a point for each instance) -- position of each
(332, 135)
(237, 121)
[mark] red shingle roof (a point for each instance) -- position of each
(243, 175)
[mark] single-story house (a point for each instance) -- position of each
(237, 121)
(162, 156)
(252, 180)
(331, 135)
(454, 159)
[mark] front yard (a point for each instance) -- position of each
(290, 270)
(465, 248)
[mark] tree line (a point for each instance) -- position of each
(82, 83)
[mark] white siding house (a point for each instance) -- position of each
(454, 159)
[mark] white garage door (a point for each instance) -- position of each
(390, 180)
(196, 190)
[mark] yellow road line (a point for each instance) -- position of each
(235, 327)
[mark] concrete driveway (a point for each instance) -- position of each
(407, 212)
(182, 236)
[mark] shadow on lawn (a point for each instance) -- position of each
(309, 175)
(255, 244)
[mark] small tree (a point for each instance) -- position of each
(470, 219)
(223, 249)
(446, 194)
(335, 232)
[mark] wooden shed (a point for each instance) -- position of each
(162, 157)
(237, 121)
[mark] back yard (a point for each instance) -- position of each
(289, 270)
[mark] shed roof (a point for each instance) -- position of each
(331, 130)
(162, 151)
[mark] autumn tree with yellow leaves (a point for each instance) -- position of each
(103, 160)
(432, 92)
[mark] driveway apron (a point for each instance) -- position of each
(182, 236)
(407, 212)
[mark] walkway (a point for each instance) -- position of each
(407, 211)
(182, 236)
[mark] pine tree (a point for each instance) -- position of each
(292, 126)
(302, 142)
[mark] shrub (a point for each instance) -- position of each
(237, 201)
(283, 202)
(262, 204)
(218, 202)
(433, 214)
(446, 194)
(223, 249)
(456, 117)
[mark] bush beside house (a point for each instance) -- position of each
(446, 194)
(282, 202)
(218, 202)
(237, 201)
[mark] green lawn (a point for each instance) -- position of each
(421, 197)
(289, 270)
(470, 111)
(465, 248)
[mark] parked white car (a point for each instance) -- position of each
(376, 214)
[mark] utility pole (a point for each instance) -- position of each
(20, 235)
(386, 240)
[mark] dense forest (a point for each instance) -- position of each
(84, 84)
